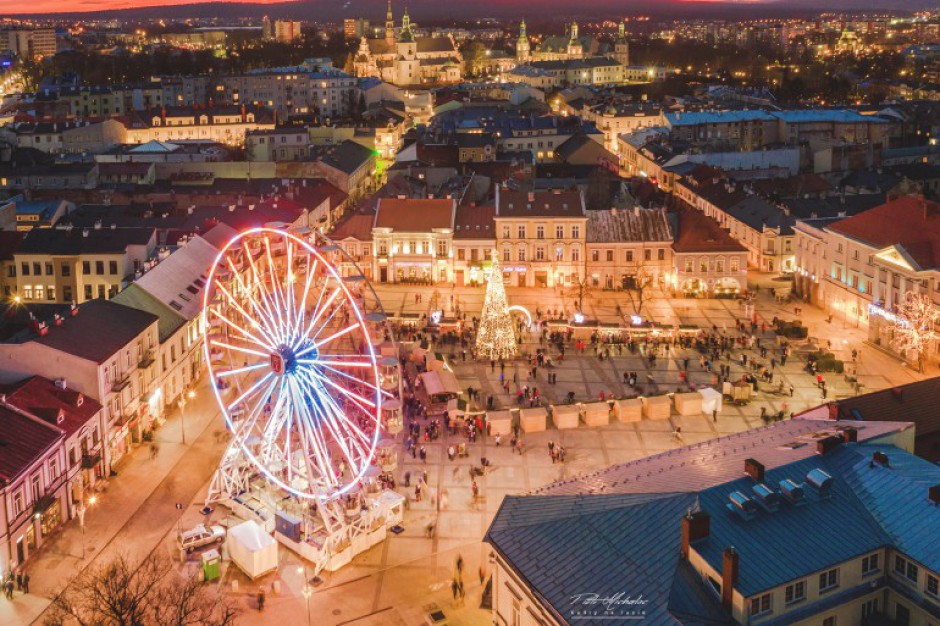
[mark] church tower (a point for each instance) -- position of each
(408, 67)
(389, 24)
(622, 48)
(523, 52)
(575, 49)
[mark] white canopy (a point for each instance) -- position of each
(711, 400)
(252, 549)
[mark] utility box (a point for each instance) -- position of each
(211, 565)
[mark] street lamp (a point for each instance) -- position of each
(81, 519)
(184, 399)
(307, 590)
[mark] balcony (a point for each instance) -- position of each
(119, 385)
(90, 460)
(147, 359)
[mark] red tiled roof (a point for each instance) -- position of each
(23, 441)
(40, 397)
(699, 233)
(908, 221)
(415, 215)
(475, 222)
(355, 225)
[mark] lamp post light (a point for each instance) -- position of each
(307, 590)
(181, 403)
(81, 518)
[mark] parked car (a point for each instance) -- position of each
(199, 536)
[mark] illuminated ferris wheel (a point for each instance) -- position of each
(293, 365)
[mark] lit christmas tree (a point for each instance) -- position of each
(495, 337)
(915, 328)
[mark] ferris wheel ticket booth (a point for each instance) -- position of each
(303, 366)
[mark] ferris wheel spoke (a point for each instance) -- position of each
(313, 437)
(352, 378)
(334, 336)
(260, 314)
(276, 295)
(356, 364)
(241, 370)
(363, 403)
(263, 328)
(254, 388)
(245, 334)
(258, 282)
(301, 304)
(228, 346)
(328, 422)
(250, 422)
(321, 307)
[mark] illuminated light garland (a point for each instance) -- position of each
(291, 350)
(495, 336)
(915, 326)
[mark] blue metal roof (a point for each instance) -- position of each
(696, 118)
(793, 541)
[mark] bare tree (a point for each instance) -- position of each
(118, 593)
(637, 288)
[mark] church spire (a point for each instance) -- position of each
(389, 23)
(522, 32)
(406, 35)
(574, 31)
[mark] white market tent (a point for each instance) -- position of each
(711, 400)
(252, 550)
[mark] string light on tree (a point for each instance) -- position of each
(915, 327)
(495, 337)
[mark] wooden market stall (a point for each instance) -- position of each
(596, 413)
(533, 420)
(566, 416)
(500, 422)
(688, 403)
(656, 407)
(628, 409)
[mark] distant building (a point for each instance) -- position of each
(286, 31)
(34, 44)
(406, 59)
(356, 28)
(267, 28)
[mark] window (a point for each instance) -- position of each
(66, 270)
(719, 266)
(610, 255)
(688, 265)
(505, 232)
(25, 269)
(17, 503)
(54, 468)
(647, 255)
(760, 605)
(441, 248)
(560, 252)
(905, 568)
(37, 269)
(933, 586)
(629, 256)
(461, 253)
(575, 232)
(540, 253)
(540, 232)
(516, 618)
(869, 608)
(703, 265)
(28, 292)
(99, 268)
(113, 267)
(595, 255)
(870, 564)
(521, 255)
(51, 292)
(88, 293)
(559, 232)
(830, 621)
(507, 255)
(734, 265)
(795, 592)
(48, 269)
(86, 267)
(40, 293)
(521, 232)
(661, 254)
(575, 254)
(828, 580)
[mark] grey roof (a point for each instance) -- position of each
(136, 297)
(84, 241)
(628, 225)
(348, 156)
(756, 212)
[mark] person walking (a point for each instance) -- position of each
(26, 583)
(261, 599)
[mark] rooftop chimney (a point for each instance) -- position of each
(695, 527)
(933, 494)
(828, 444)
(754, 469)
(729, 576)
(879, 458)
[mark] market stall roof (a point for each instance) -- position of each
(440, 382)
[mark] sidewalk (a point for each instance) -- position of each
(136, 505)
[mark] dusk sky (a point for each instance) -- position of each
(57, 6)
